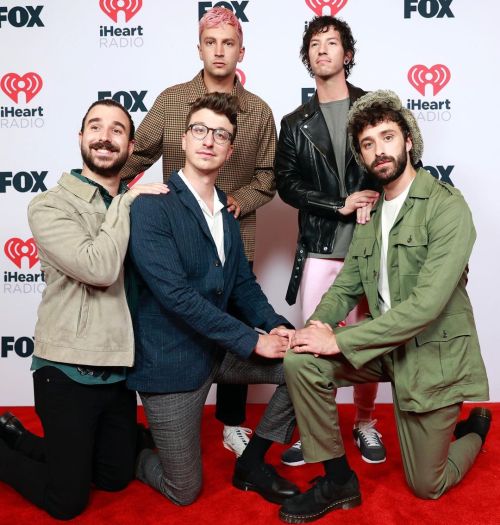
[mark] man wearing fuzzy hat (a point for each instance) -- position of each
(411, 262)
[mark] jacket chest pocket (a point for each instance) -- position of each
(362, 249)
(411, 243)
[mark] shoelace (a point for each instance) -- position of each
(297, 445)
(370, 435)
(242, 433)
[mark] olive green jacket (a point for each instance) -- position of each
(430, 328)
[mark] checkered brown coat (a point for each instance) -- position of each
(248, 174)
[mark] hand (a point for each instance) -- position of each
(317, 338)
(271, 346)
(359, 199)
(284, 332)
(154, 188)
(233, 206)
(363, 215)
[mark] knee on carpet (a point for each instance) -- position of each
(425, 488)
(184, 497)
(67, 508)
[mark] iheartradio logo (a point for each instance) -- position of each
(437, 76)
(112, 8)
(30, 84)
(15, 249)
(326, 7)
(241, 76)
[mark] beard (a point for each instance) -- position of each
(104, 168)
(390, 172)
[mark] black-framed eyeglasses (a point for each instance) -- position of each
(200, 131)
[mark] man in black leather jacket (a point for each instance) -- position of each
(317, 174)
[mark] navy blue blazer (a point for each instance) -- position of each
(181, 324)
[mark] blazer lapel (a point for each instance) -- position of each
(190, 202)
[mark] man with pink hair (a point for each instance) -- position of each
(247, 177)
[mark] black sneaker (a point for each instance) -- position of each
(368, 440)
(293, 456)
(479, 421)
(321, 499)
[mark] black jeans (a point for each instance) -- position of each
(90, 437)
(231, 400)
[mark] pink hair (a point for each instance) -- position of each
(217, 16)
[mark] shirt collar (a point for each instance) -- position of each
(218, 205)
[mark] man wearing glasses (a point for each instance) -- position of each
(247, 178)
(188, 250)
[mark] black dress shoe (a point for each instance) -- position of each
(264, 480)
(479, 421)
(324, 497)
(11, 429)
(144, 439)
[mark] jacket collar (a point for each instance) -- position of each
(316, 130)
(78, 187)
(312, 106)
(197, 89)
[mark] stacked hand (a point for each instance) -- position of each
(316, 338)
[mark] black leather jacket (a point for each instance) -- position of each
(307, 179)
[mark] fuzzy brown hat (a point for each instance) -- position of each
(387, 99)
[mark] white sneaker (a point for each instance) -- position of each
(235, 439)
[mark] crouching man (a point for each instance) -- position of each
(411, 262)
(188, 250)
(83, 336)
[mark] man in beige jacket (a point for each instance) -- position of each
(83, 336)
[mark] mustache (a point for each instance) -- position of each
(104, 144)
(380, 160)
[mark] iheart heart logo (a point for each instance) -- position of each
(12, 84)
(241, 76)
(437, 76)
(326, 7)
(15, 249)
(112, 7)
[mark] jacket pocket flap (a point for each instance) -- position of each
(412, 236)
(362, 247)
(445, 329)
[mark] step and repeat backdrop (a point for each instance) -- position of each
(440, 56)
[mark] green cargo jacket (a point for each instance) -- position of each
(83, 318)
(430, 328)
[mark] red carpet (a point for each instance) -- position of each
(386, 498)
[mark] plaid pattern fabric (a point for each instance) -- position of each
(248, 175)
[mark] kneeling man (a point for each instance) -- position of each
(187, 249)
(411, 262)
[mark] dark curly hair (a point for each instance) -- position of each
(321, 24)
(375, 114)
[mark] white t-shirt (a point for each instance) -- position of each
(390, 211)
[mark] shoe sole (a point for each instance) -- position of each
(227, 447)
(365, 459)
(293, 463)
(245, 485)
(345, 504)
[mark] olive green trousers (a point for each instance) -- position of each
(432, 462)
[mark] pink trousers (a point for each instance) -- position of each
(317, 277)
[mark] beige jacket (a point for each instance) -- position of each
(83, 317)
